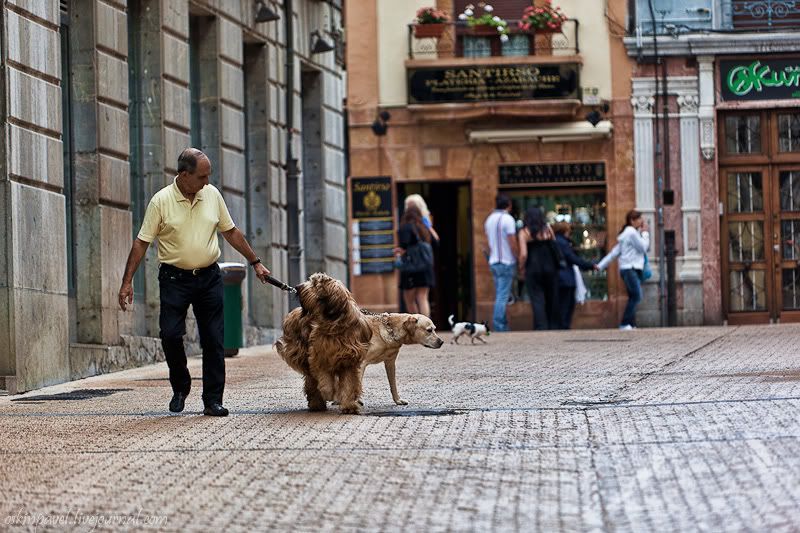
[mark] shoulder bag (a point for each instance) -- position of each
(418, 257)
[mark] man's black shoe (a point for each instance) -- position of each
(176, 404)
(215, 409)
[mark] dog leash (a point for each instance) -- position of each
(281, 285)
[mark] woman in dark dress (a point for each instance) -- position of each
(566, 274)
(540, 261)
(416, 285)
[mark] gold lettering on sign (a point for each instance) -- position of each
(366, 187)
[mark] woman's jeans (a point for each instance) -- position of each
(634, 286)
(503, 275)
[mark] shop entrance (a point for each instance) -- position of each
(760, 234)
(450, 204)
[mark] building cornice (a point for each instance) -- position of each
(680, 85)
(709, 43)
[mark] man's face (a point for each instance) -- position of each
(194, 181)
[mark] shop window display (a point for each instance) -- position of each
(586, 212)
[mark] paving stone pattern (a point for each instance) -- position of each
(651, 430)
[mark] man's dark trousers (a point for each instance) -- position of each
(202, 289)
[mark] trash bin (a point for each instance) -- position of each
(232, 276)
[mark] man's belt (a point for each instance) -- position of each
(192, 272)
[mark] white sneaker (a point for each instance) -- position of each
(626, 327)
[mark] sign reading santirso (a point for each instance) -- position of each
(760, 79)
(483, 83)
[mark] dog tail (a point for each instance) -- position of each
(451, 320)
(292, 346)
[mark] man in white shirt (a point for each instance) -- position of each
(501, 232)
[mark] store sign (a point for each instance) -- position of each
(486, 83)
(373, 225)
(371, 197)
(553, 174)
(760, 79)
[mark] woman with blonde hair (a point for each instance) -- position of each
(415, 285)
(418, 201)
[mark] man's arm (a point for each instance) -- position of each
(138, 249)
(236, 239)
(513, 242)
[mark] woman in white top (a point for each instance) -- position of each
(631, 249)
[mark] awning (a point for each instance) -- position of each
(562, 132)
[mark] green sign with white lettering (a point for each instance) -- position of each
(760, 79)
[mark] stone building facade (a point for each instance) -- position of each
(98, 99)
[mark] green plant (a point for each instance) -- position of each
(484, 19)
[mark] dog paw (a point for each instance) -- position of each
(351, 410)
(317, 406)
(401, 402)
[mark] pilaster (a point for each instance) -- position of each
(691, 268)
(643, 149)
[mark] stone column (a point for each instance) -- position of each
(644, 152)
(33, 251)
(690, 268)
(99, 49)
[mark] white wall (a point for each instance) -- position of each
(593, 40)
(394, 16)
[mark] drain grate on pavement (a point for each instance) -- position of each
(597, 340)
(75, 395)
(419, 412)
(588, 402)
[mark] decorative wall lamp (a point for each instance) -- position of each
(595, 116)
(379, 126)
(320, 45)
(264, 13)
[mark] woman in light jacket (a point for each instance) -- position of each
(631, 249)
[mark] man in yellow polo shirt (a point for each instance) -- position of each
(184, 217)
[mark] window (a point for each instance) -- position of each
(477, 46)
(674, 16)
(518, 44)
(743, 134)
(789, 132)
(585, 210)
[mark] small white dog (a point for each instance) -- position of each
(474, 330)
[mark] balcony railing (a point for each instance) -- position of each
(761, 14)
(459, 40)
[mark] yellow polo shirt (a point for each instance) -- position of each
(186, 232)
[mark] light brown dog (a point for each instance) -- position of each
(390, 331)
(326, 340)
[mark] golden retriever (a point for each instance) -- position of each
(330, 341)
(326, 340)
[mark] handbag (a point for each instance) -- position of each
(647, 272)
(418, 257)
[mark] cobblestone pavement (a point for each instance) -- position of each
(650, 430)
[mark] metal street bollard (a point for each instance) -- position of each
(232, 276)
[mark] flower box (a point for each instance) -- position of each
(482, 30)
(422, 31)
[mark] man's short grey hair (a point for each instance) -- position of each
(187, 161)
